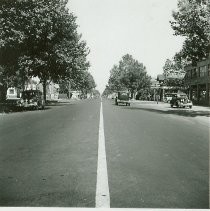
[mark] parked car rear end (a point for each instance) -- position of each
(123, 98)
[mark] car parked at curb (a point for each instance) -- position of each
(32, 99)
(181, 102)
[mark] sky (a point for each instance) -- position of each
(113, 28)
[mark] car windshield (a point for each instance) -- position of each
(123, 93)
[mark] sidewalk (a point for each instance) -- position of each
(167, 105)
(200, 114)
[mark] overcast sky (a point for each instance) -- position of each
(113, 28)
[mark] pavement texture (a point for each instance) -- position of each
(157, 157)
(199, 113)
(48, 158)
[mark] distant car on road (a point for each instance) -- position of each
(181, 102)
(123, 98)
(32, 99)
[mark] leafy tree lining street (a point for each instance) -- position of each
(129, 75)
(192, 21)
(40, 38)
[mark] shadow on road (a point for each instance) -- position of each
(10, 109)
(175, 111)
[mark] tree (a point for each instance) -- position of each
(96, 93)
(133, 74)
(115, 80)
(130, 75)
(87, 83)
(173, 72)
(192, 21)
(39, 38)
(107, 91)
(173, 68)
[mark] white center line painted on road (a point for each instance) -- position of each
(102, 185)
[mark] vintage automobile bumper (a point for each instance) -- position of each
(186, 104)
(27, 105)
(123, 101)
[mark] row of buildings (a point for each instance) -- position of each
(196, 84)
(52, 90)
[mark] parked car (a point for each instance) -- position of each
(181, 102)
(123, 98)
(32, 99)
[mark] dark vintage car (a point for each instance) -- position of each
(32, 99)
(123, 98)
(181, 102)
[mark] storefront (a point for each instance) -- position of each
(197, 79)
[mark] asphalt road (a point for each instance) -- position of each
(156, 158)
(49, 158)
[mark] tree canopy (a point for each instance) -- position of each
(40, 38)
(129, 75)
(174, 73)
(192, 20)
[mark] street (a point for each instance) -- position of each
(157, 156)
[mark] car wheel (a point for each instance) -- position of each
(190, 106)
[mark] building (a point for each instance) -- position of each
(32, 83)
(171, 83)
(197, 78)
(76, 95)
(52, 89)
(13, 93)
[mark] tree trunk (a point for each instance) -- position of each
(45, 90)
(133, 94)
(3, 94)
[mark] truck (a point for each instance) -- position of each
(12, 98)
(122, 97)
